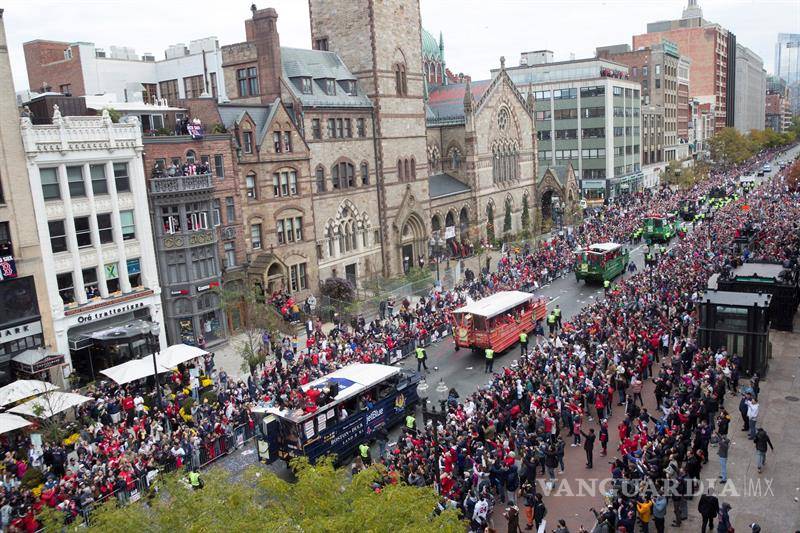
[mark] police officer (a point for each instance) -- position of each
(363, 450)
(606, 286)
(489, 361)
(194, 480)
(411, 423)
(421, 357)
(557, 312)
(551, 322)
(523, 343)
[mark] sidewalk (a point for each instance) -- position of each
(769, 499)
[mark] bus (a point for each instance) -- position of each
(496, 321)
(601, 262)
(343, 409)
(659, 228)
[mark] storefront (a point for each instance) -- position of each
(628, 184)
(20, 322)
(593, 191)
(102, 337)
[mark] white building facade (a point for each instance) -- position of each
(90, 201)
(750, 92)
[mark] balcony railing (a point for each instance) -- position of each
(178, 184)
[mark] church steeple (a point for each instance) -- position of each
(692, 11)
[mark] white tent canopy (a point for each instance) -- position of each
(166, 360)
(23, 388)
(9, 422)
(51, 403)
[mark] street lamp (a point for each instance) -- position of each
(155, 330)
(442, 390)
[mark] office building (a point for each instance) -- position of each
(787, 67)
(93, 222)
(751, 87)
(588, 113)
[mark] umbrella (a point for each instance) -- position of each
(9, 422)
(51, 404)
(176, 354)
(23, 388)
(132, 370)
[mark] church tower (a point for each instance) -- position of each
(380, 42)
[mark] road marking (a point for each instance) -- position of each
(553, 300)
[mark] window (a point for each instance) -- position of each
(289, 230)
(250, 184)
(134, 268)
(618, 131)
(541, 95)
(567, 134)
(617, 91)
(319, 175)
(565, 94)
(99, 183)
(247, 81)
(255, 236)
(170, 219)
(230, 210)
(196, 216)
(658, 70)
(349, 87)
(400, 81)
(203, 262)
(361, 129)
(230, 254)
(177, 270)
(316, 129)
(75, 181)
(593, 133)
(68, 53)
(216, 212)
(560, 114)
(90, 282)
(545, 155)
(329, 86)
(305, 85)
(193, 86)
(127, 224)
(400, 175)
(298, 277)
(169, 91)
(331, 128)
(248, 142)
(287, 141)
(276, 141)
(219, 166)
(321, 44)
(543, 135)
(343, 175)
(598, 90)
(339, 128)
(364, 174)
(66, 287)
(284, 183)
(121, 179)
(543, 115)
(58, 236)
(83, 232)
(104, 228)
(50, 188)
(213, 77)
(348, 128)
(658, 83)
(644, 71)
(593, 112)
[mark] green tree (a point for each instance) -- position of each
(490, 223)
(507, 219)
(322, 499)
(729, 147)
(113, 114)
(255, 317)
(526, 216)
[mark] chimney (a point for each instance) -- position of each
(264, 31)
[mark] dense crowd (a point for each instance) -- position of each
(493, 442)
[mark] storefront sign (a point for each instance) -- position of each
(203, 288)
(178, 292)
(106, 313)
(112, 271)
(20, 332)
(45, 363)
(8, 267)
(593, 184)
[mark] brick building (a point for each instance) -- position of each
(712, 50)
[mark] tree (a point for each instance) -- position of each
(729, 147)
(526, 216)
(507, 219)
(322, 499)
(490, 223)
(113, 114)
(255, 317)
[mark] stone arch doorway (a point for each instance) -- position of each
(412, 242)
(436, 224)
(275, 277)
(546, 207)
(463, 223)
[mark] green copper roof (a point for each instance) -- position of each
(430, 46)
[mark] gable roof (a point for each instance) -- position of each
(320, 65)
(446, 102)
(261, 115)
(444, 185)
(559, 172)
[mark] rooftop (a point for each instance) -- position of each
(739, 299)
(319, 65)
(444, 185)
(446, 102)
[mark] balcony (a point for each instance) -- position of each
(181, 184)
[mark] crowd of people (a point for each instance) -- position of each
(496, 441)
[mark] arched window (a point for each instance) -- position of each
(250, 184)
(400, 175)
(455, 159)
(320, 177)
(342, 239)
(190, 157)
(354, 235)
(365, 233)
(331, 247)
(400, 82)
(413, 168)
(407, 169)
(364, 173)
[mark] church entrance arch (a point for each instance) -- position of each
(412, 242)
